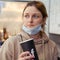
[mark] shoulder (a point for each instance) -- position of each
(10, 44)
(54, 48)
(11, 41)
(17, 38)
(52, 44)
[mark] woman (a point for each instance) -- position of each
(34, 19)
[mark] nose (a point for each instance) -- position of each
(30, 20)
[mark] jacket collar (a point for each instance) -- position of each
(42, 40)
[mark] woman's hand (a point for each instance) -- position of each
(25, 56)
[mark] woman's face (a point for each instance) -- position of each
(32, 17)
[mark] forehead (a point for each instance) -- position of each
(31, 9)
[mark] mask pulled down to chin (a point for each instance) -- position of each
(32, 31)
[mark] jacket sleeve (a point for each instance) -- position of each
(6, 50)
(55, 54)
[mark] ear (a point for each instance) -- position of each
(44, 21)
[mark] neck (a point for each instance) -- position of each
(36, 36)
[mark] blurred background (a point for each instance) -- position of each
(10, 16)
(11, 21)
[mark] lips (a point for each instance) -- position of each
(30, 25)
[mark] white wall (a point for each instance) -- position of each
(55, 17)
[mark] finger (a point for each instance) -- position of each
(28, 57)
(24, 54)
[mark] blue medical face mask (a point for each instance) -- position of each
(32, 31)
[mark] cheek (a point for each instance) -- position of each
(39, 21)
(24, 22)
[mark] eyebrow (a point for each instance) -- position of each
(26, 13)
(34, 13)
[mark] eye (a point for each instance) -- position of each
(36, 16)
(26, 16)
